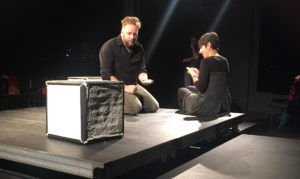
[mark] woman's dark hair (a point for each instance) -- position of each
(211, 37)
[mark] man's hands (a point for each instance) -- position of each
(130, 88)
(127, 88)
(147, 82)
(143, 77)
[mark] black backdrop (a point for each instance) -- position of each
(279, 46)
(57, 37)
(63, 39)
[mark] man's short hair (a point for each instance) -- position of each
(211, 37)
(131, 20)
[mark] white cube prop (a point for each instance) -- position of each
(85, 110)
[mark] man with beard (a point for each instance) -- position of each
(122, 59)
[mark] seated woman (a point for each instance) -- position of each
(209, 95)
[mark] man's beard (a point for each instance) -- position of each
(129, 43)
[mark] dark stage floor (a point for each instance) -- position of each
(150, 139)
(261, 151)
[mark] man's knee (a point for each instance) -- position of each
(132, 108)
(152, 107)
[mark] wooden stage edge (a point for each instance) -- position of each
(148, 137)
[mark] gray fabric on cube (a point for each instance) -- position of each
(105, 108)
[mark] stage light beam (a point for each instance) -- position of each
(160, 29)
(220, 15)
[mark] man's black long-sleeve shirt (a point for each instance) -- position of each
(116, 61)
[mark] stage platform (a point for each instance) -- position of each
(148, 137)
(244, 157)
